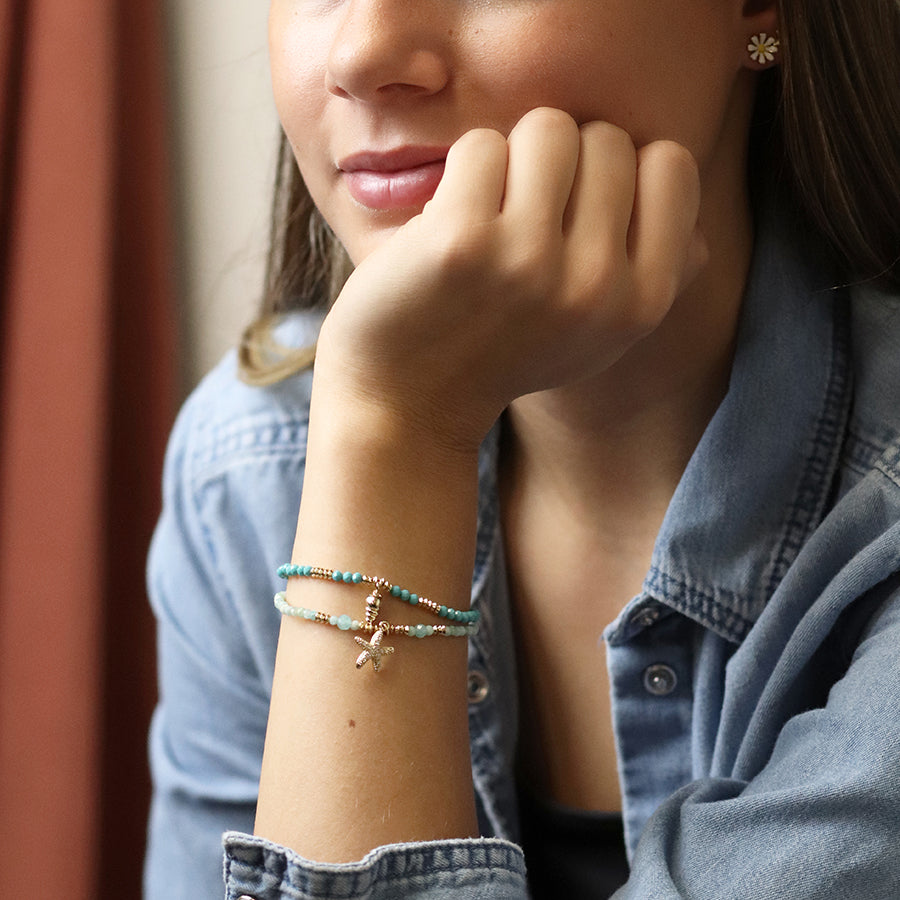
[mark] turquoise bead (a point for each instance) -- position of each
(414, 599)
(347, 577)
(357, 577)
(442, 612)
(395, 591)
(337, 576)
(404, 595)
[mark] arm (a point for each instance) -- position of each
(496, 290)
(354, 759)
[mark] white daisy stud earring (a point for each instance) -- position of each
(763, 47)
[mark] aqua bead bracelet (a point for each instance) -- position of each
(293, 570)
(348, 623)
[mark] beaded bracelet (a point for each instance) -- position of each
(291, 570)
(371, 625)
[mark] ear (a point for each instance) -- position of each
(758, 22)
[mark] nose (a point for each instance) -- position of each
(388, 49)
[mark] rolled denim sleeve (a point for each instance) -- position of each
(476, 869)
(820, 818)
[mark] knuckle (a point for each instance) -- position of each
(547, 120)
(609, 136)
(650, 305)
(480, 141)
(672, 159)
(456, 251)
(549, 116)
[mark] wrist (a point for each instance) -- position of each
(382, 495)
(399, 405)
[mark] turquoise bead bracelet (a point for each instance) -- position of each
(292, 570)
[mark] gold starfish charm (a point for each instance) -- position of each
(372, 650)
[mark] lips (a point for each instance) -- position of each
(397, 179)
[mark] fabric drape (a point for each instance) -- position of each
(88, 390)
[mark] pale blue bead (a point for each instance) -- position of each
(332, 620)
(309, 614)
(355, 625)
(343, 622)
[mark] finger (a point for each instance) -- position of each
(600, 207)
(474, 176)
(543, 159)
(664, 237)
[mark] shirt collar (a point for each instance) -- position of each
(761, 477)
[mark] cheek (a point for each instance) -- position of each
(547, 62)
(658, 70)
(297, 57)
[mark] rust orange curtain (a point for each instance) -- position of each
(88, 387)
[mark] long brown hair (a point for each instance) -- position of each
(833, 127)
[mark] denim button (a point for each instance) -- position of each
(660, 679)
(477, 686)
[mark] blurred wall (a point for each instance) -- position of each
(225, 133)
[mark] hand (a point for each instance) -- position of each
(539, 261)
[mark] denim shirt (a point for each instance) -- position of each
(754, 680)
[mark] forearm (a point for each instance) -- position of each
(356, 759)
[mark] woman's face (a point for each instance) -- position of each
(371, 93)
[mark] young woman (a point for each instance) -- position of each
(596, 577)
